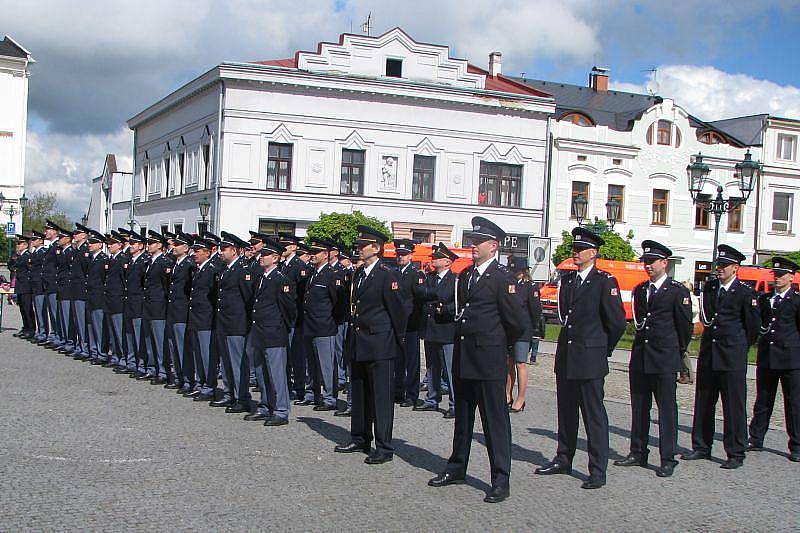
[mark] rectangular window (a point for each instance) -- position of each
(279, 167)
(664, 132)
(422, 183)
(170, 186)
(616, 162)
(164, 228)
(273, 227)
(579, 188)
(702, 220)
(787, 147)
(394, 68)
(500, 184)
(206, 165)
(660, 207)
(782, 212)
(181, 177)
(617, 192)
(202, 227)
(352, 172)
(178, 227)
(422, 236)
(735, 218)
(155, 183)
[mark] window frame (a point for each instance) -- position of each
(419, 173)
(498, 179)
(280, 158)
(789, 212)
(281, 226)
(351, 166)
(394, 61)
(620, 198)
(574, 193)
(783, 138)
(737, 213)
(700, 211)
(656, 204)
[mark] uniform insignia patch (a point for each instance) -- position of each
(686, 301)
(302, 273)
(420, 281)
(535, 294)
(168, 270)
(755, 302)
(395, 285)
(512, 289)
(614, 292)
(58, 251)
(338, 283)
(285, 288)
(125, 265)
(85, 254)
(247, 277)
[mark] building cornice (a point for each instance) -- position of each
(597, 147)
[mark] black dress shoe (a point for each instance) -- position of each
(324, 407)
(753, 447)
(732, 464)
(795, 457)
(694, 455)
(426, 407)
(157, 381)
(666, 469)
(351, 447)
(344, 412)
(221, 403)
(172, 386)
(446, 478)
(191, 394)
(377, 458)
(304, 402)
(108, 364)
(553, 467)
(254, 417)
(275, 421)
(497, 494)
(407, 403)
(119, 370)
(144, 377)
(203, 398)
(450, 413)
(593, 483)
(632, 460)
(237, 407)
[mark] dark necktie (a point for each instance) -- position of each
(650, 292)
(473, 279)
(722, 292)
(776, 301)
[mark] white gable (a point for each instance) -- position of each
(361, 55)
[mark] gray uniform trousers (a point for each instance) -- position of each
(154, 341)
(81, 333)
(341, 364)
(439, 355)
(133, 338)
(177, 344)
(40, 310)
(234, 364)
(51, 302)
(271, 376)
(66, 324)
(324, 367)
(217, 358)
(200, 342)
(96, 319)
(117, 339)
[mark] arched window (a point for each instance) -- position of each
(664, 133)
(579, 119)
(710, 137)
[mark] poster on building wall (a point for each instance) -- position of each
(539, 258)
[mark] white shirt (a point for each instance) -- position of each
(403, 270)
(585, 274)
(204, 263)
(96, 254)
(368, 269)
(727, 286)
(482, 268)
(179, 261)
(320, 267)
(135, 257)
(782, 295)
(268, 272)
(233, 262)
(443, 273)
(153, 259)
(659, 282)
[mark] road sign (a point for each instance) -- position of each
(11, 229)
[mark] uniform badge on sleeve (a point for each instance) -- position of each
(686, 301)
(302, 273)
(85, 254)
(755, 302)
(285, 288)
(247, 277)
(535, 294)
(512, 289)
(338, 283)
(167, 270)
(420, 281)
(614, 292)
(395, 286)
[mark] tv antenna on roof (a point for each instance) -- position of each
(653, 87)
(367, 25)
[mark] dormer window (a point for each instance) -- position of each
(578, 119)
(664, 133)
(394, 68)
(710, 137)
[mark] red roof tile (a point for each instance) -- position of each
(502, 84)
(288, 63)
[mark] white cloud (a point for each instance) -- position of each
(712, 94)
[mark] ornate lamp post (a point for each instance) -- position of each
(579, 204)
(613, 212)
(204, 206)
(746, 173)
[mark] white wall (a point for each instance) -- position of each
(14, 77)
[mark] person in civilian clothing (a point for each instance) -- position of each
(778, 358)
(531, 316)
(729, 311)
(440, 329)
(154, 311)
(273, 311)
(377, 331)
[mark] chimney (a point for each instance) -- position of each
(598, 79)
(495, 63)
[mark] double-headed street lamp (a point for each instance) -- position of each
(613, 211)
(746, 172)
(11, 212)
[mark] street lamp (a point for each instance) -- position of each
(204, 206)
(579, 204)
(613, 208)
(746, 172)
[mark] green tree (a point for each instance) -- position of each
(42, 206)
(3, 245)
(791, 256)
(616, 247)
(341, 227)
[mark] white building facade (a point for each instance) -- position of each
(15, 64)
(384, 125)
(639, 157)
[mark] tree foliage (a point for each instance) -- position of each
(616, 247)
(791, 256)
(341, 227)
(42, 206)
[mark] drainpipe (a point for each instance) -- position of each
(548, 171)
(131, 222)
(758, 198)
(218, 154)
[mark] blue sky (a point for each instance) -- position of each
(98, 65)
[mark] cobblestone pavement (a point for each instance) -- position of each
(82, 448)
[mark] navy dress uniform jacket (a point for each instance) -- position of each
(412, 282)
(438, 323)
(297, 273)
(156, 287)
(50, 269)
(274, 311)
(203, 297)
(234, 290)
(664, 327)
(379, 314)
(180, 287)
(319, 303)
(779, 345)
(734, 325)
(96, 280)
(22, 273)
(115, 283)
(134, 286)
(79, 272)
(532, 307)
(37, 267)
(490, 322)
(595, 321)
(63, 265)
